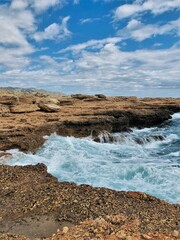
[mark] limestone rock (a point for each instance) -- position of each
(49, 107)
(4, 109)
(8, 99)
(52, 100)
(24, 108)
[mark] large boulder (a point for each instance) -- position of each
(49, 107)
(51, 100)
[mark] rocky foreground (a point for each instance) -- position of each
(35, 205)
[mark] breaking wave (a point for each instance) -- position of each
(145, 160)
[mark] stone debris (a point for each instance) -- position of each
(30, 195)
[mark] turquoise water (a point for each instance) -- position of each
(152, 166)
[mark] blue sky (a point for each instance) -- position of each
(115, 47)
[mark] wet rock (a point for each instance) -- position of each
(149, 139)
(4, 154)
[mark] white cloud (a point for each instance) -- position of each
(88, 20)
(155, 7)
(139, 31)
(109, 67)
(16, 23)
(38, 5)
(54, 31)
(42, 5)
(95, 44)
(19, 4)
(94, 63)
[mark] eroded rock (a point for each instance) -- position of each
(49, 107)
(24, 108)
(30, 192)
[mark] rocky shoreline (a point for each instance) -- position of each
(33, 203)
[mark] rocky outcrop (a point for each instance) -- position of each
(30, 193)
(24, 108)
(27, 117)
(106, 137)
(33, 203)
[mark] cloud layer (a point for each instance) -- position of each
(154, 7)
(38, 52)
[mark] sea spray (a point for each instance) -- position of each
(151, 166)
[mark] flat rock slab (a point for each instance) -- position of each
(24, 108)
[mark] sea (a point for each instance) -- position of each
(133, 161)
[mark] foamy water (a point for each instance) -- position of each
(152, 167)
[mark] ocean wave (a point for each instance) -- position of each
(152, 166)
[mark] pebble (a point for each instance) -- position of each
(175, 233)
(129, 238)
(65, 230)
(121, 234)
(146, 236)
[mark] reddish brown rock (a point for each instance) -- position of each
(49, 107)
(32, 199)
(4, 109)
(80, 115)
(24, 108)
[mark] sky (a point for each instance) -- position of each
(114, 47)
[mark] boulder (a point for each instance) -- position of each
(24, 108)
(80, 96)
(100, 96)
(52, 100)
(8, 100)
(4, 154)
(49, 107)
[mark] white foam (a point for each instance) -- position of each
(175, 154)
(176, 116)
(117, 166)
(171, 138)
(144, 130)
(152, 167)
